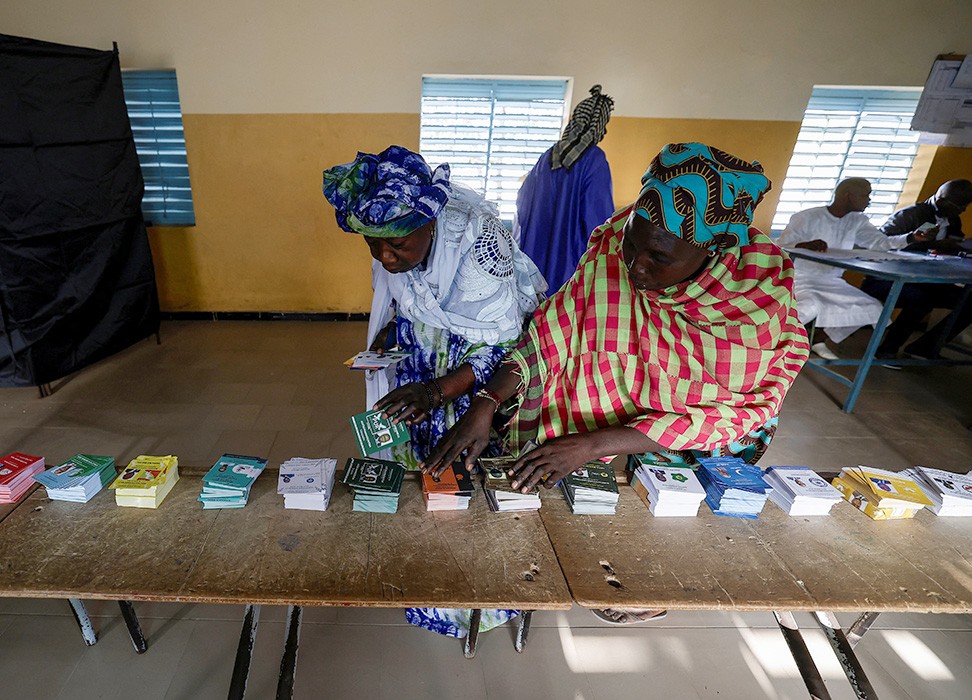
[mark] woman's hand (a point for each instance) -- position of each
(470, 433)
(553, 460)
(408, 404)
(380, 343)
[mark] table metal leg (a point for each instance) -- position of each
(473, 636)
(244, 652)
(522, 630)
(84, 622)
(856, 631)
(801, 655)
(951, 319)
(845, 654)
(134, 629)
(288, 662)
(873, 344)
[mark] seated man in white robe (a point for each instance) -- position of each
(821, 294)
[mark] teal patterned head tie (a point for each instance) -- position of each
(387, 195)
(703, 195)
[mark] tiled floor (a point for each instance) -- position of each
(279, 389)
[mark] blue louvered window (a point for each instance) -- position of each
(851, 132)
(491, 131)
(152, 97)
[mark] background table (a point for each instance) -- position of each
(946, 270)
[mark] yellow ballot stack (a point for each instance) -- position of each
(146, 481)
(880, 494)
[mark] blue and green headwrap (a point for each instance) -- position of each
(387, 195)
(703, 195)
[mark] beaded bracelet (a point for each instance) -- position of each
(435, 383)
(428, 395)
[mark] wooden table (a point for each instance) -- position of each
(264, 554)
(844, 562)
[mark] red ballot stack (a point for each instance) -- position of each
(17, 475)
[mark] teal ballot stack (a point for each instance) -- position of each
(79, 478)
(227, 484)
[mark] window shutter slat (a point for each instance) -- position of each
(490, 131)
(152, 98)
(851, 132)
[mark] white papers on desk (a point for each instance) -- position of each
(871, 255)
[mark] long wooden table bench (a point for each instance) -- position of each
(839, 563)
(264, 554)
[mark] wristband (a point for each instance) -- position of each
(491, 395)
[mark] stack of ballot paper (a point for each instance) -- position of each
(373, 432)
(17, 472)
(880, 494)
(732, 486)
(306, 484)
(146, 481)
(451, 490)
(372, 360)
(669, 491)
(949, 493)
(376, 484)
(497, 484)
(227, 484)
(657, 459)
(79, 478)
(800, 491)
(591, 490)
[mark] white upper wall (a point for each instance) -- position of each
(741, 59)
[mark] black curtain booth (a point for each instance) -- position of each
(76, 276)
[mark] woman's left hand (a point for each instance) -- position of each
(407, 404)
(554, 459)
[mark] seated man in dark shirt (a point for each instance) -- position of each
(942, 211)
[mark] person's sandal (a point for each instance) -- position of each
(624, 617)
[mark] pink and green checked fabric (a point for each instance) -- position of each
(694, 367)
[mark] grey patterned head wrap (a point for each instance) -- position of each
(586, 128)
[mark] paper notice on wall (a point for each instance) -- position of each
(963, 79)
(945, 106)
(940, 102)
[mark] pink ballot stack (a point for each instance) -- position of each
(17, 475)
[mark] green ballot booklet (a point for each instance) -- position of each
(376, 483)
(374, 432)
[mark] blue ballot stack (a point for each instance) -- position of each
(733, 487)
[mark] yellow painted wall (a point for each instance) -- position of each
(266, 240)
(631, 143)
(949, 164)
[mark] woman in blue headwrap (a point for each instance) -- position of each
(450, 288)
